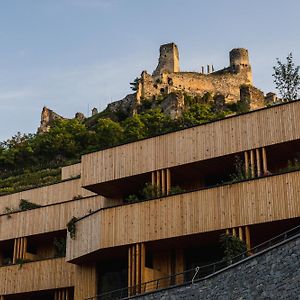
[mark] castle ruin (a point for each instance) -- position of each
(232, 84)
(167, 78)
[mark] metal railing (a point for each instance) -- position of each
(195, 274)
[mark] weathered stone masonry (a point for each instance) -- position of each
(167, 78)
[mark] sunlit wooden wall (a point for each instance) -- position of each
(36, 276)
(251, 202)
(231, 135)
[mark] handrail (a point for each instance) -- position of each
(195, 274)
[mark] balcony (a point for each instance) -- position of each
(259, 200)
(35, 276)
(48, 218)
(46, 195)
(102, 171)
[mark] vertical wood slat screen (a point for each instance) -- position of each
(257, 165)
(20, 249)
(62, 294)
(136, 268)
(162, 180)
(243, 233)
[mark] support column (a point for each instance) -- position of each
(153, 178)
(158, 185)
(264, 159)
(241, 236)
(233, 232)
(246, 164)
(252, 163)
(168, 181)
(258, 162)
(247, 238)
(163, 182)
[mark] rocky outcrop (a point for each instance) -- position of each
(173, 105)
(47, 117)
(124, 106)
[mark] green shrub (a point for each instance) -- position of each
(232, 247)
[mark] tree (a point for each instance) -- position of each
(134, 129)
(135, 84)
(287, 79)
(197, 113)
(108, 133)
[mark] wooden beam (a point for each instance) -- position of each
(138, 267)
(25, 247)
(246, 158)
(163, 182)
(248, 240)
(168, 181)
(143, 262)
(158, 184)
(133, 278)
(233, 232)
(264, 159)
(129, 269)
(153, 178)
(241, 233)
(252, 164)
(15, 251)
(258, 162)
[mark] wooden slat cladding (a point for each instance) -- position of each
(54, 193)
(256, 201)
(62, 294)
(254, 130)
(36, 276)
(70, 171)
(85, 282)
(136, 268)
(47, 219)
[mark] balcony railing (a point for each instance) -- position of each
(194, 275)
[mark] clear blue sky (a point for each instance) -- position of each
(71, 55)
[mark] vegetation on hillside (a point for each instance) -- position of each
(30, 160)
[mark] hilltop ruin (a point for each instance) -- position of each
(169, 85)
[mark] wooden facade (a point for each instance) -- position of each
(257, 129)
(111, 230)
(36, 276)
(255, 201)
(47, 219)
(85, 282)
(50, 194)
(71, 171)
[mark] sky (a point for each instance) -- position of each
(73, 55)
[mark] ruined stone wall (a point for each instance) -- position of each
(225, 83)
(168, 59)
(166, 78)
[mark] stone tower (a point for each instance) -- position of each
(168, 59)
(239, 62)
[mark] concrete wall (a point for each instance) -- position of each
(274, 274)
